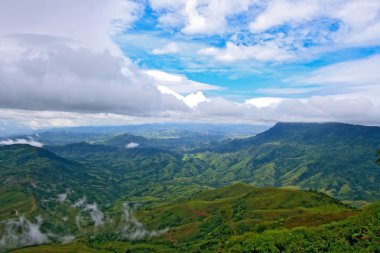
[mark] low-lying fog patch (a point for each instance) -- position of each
(132, 145)
(21, 141)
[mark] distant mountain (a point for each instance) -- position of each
(196, 191)
(310, 134)
(336, 158)
(98, 134)
(166, 129)
(38, 174)
(81, 148)
(179, 141)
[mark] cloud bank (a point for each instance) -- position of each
(60, 67)
(21, 141)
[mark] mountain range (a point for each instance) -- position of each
(184, 191)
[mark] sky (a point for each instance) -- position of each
(117, 62)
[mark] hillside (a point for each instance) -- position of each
(151, 198)
(176, 141)
(242, 218)
(32, 177)
(246, 206)
(338, 159)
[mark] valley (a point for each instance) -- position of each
(309, 184)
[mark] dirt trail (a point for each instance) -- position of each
(171, 239)
(197, 212)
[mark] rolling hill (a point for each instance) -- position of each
(242, 218)
(338, 159)
(204, 195)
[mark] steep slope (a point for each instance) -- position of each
(247, 205)
(38, 175)
(336, 158)
(308, 134)
(217, 220)
(144, 174)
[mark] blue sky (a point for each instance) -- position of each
(309, 42)
(98, 62)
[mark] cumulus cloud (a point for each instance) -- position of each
(199, 17)
(178, 83)
(191, 100)
(21, 141)
(68, 71)
(57, 65)
(312, 25)
(59, 77)
(284, 11)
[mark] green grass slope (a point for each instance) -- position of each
(242, 218)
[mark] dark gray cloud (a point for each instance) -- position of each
(55, 75)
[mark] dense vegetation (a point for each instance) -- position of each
(221, 223)
(338, 159)
(179, 192)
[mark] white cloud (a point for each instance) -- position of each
(57, 76)
(132, 145)
(20, 232)
(170, 48)
(264, 101)
(87, 22)
(360, 72)
(262, 52)
(21, 141)
(357, 21)
(199, 16)
(358, 102)
(287, 91)
(360, 22)
(70, 72)
(61, 57)
(306, 28)
(283, 11)
(191, 100)
(179, 83)
(133, 229)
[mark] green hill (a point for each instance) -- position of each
(231, 196)
(338, 159)
(242, 208)
(32, 177)
(242, 218)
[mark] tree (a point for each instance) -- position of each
(227, 215)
